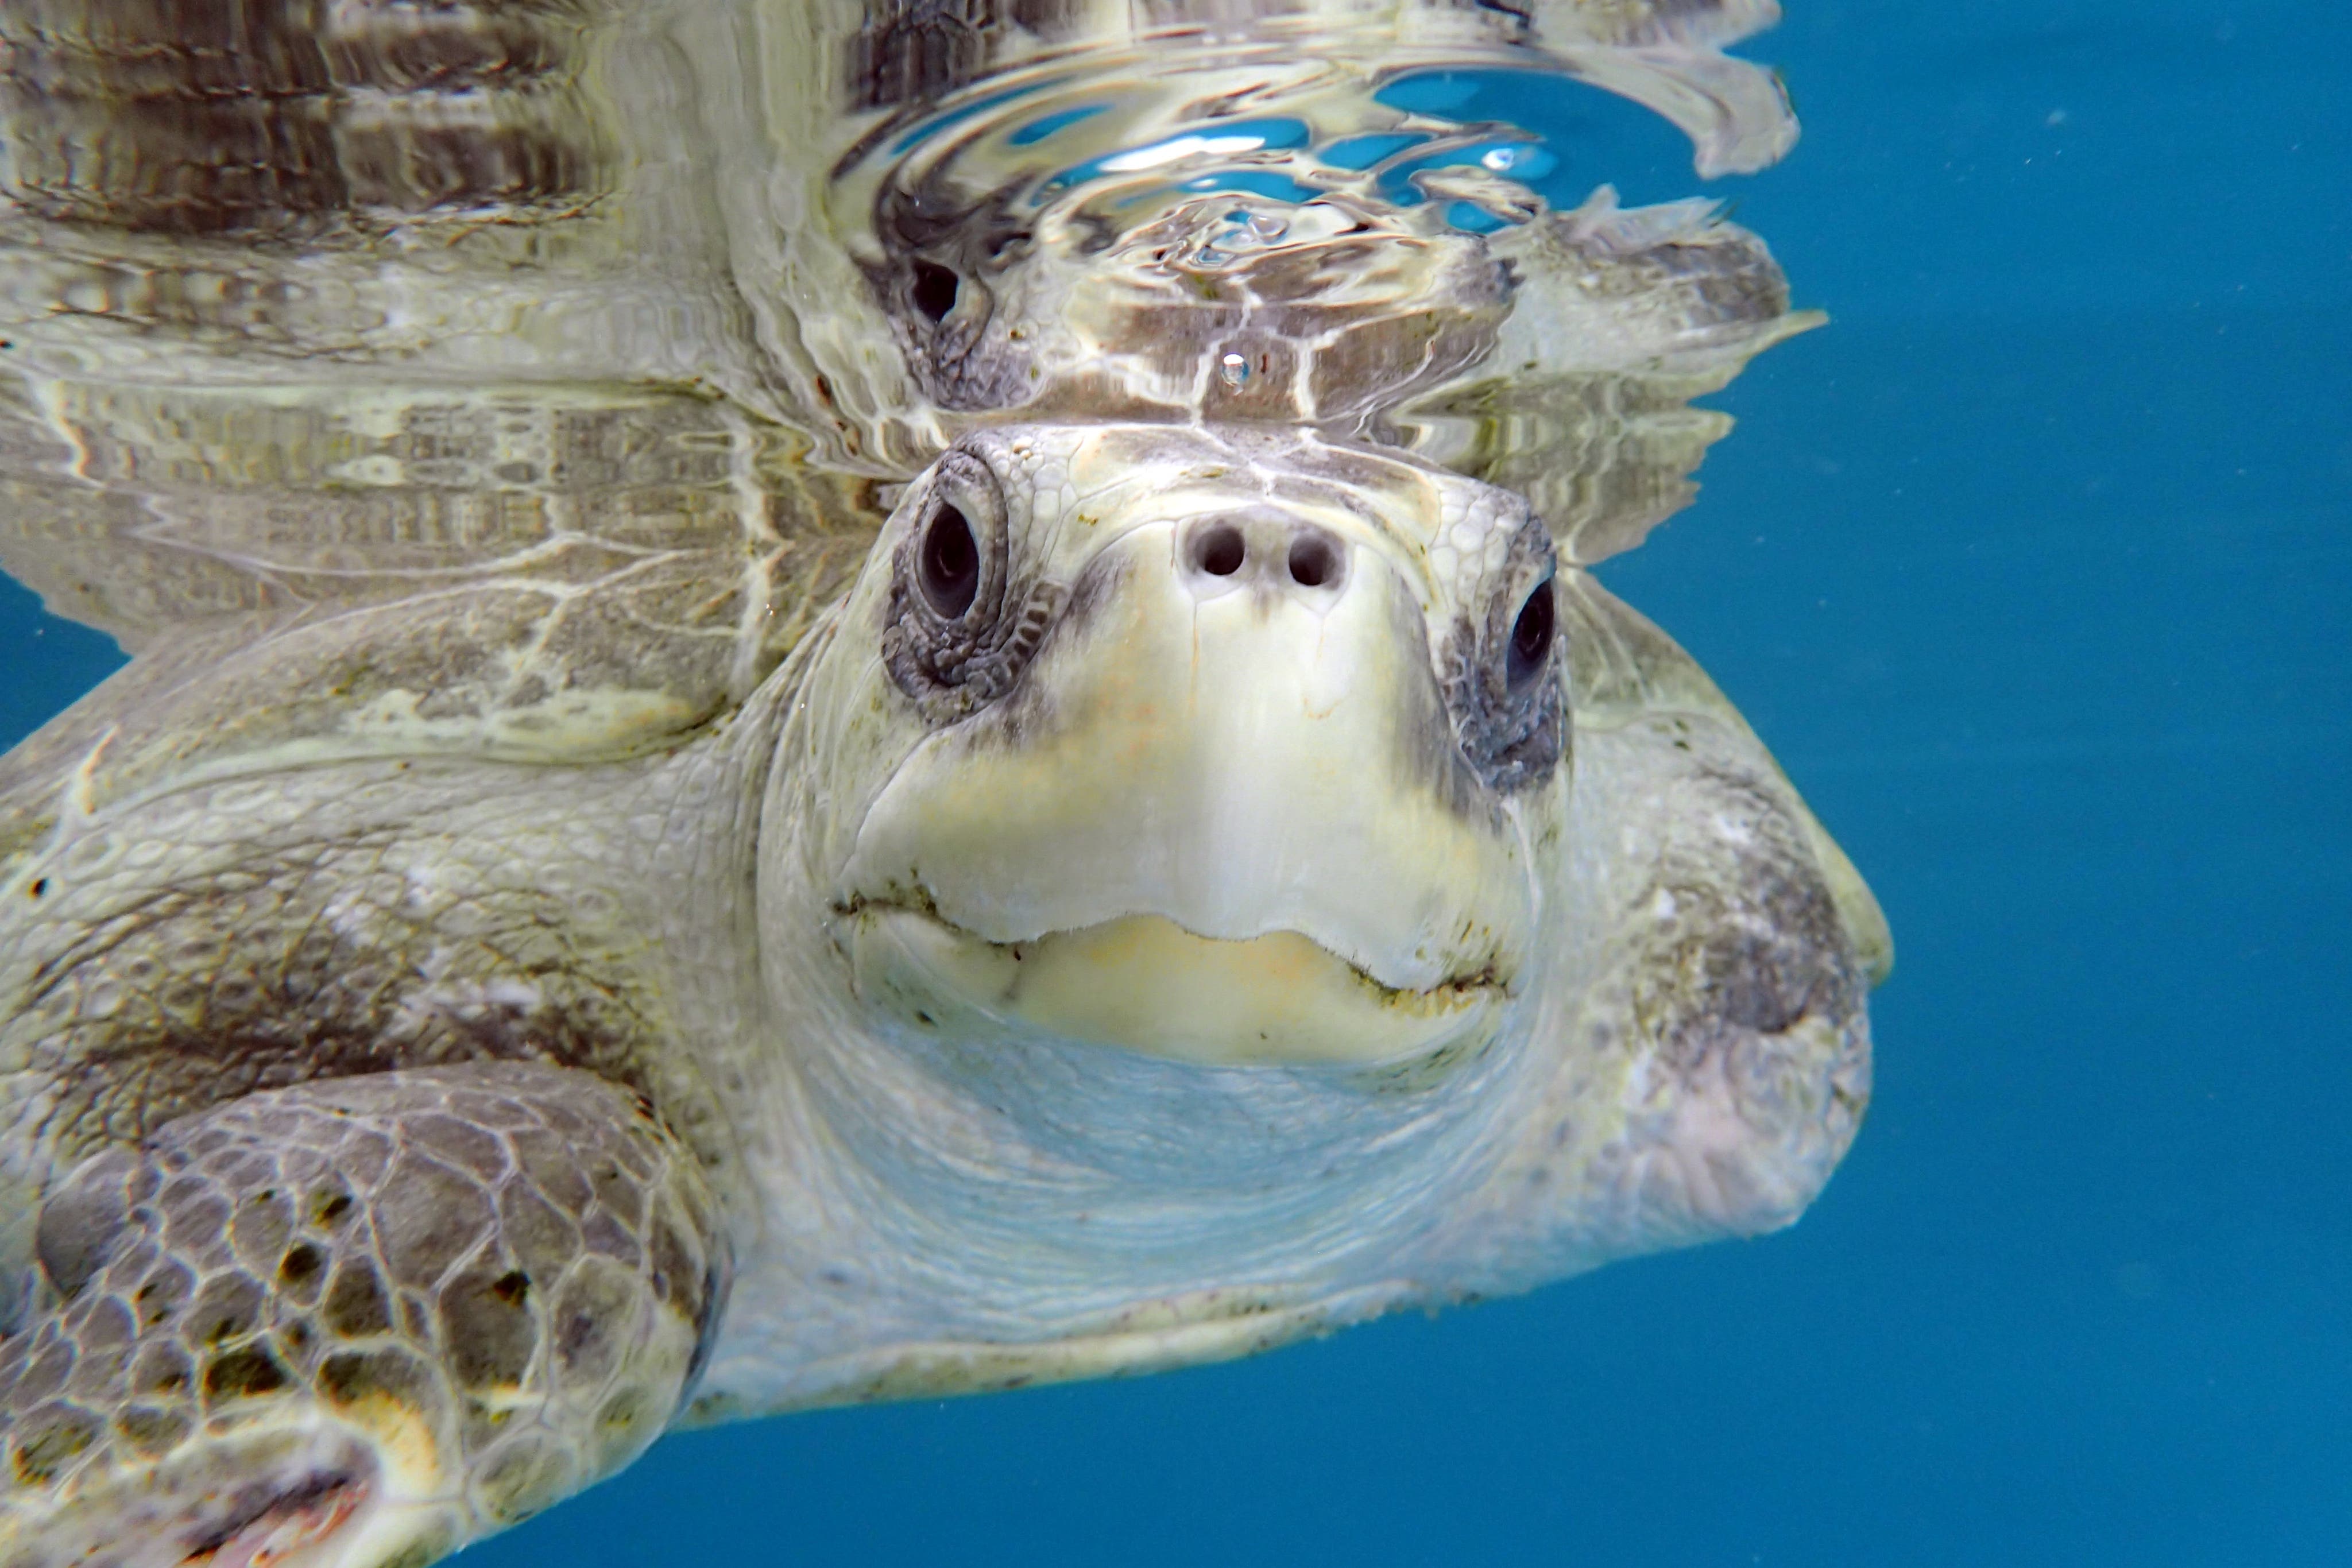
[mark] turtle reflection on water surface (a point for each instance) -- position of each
(838, 702)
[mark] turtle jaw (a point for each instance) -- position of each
(1147, 984)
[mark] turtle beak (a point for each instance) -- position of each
(1223, 819)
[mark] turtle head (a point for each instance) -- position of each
(1213, 746)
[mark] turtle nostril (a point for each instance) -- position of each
(1313, 561)
(1218, 550)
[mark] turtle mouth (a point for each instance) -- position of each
(1147, 984)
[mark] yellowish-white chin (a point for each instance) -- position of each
(1145, 983)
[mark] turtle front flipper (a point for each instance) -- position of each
(355, 1323)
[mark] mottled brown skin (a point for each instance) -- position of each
(505, 1274)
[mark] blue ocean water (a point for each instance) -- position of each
(2035, 569)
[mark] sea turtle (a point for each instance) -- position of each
(838, 853)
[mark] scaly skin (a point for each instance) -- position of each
(218, 991)
(389, 1314)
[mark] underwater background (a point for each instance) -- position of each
(2035, 569)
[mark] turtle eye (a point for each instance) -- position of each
(965, 613)
(1532, 636)
(948, 567)
(935, 290)
(1500, 667)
